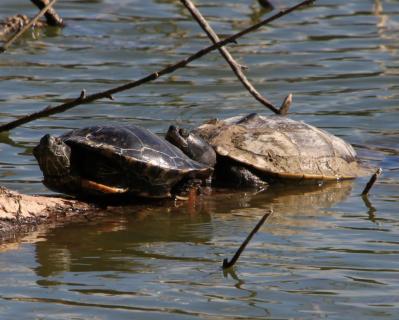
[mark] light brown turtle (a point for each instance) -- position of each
(255, 149)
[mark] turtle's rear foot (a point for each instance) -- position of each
(239, 177)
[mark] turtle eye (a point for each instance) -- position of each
(184, 133)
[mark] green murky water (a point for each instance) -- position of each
(325, 253)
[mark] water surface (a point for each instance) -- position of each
(324, 253)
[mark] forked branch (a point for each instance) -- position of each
(153, 76)
(237, 68)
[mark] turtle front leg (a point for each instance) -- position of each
(191, 188)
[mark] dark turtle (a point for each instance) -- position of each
(254, 150)
(103, 160)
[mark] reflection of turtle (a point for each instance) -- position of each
(256, 149)
(102, 160)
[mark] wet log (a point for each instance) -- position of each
(23, 23)
(19, 212)
(13, 24)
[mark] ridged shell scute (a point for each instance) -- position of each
(282, 147)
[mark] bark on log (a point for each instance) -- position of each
(19, 212)
(13, 24)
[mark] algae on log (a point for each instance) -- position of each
(19, 212)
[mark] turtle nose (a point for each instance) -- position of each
(47, 140)
(172, 133)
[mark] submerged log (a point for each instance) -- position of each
(15, 23)
(19, 212)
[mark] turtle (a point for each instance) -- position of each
(101, 161)
(256, 150)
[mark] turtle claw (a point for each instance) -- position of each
(181, 198)
(102, 188)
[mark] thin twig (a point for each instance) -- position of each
(237, 68)
(371, 182)
(228, 264)
(52, 17)
(153, 76)
(26, 27)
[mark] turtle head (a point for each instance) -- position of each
(54, 156)
(192, 145)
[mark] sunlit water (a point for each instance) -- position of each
(324, 253)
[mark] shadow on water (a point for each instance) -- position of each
(92, 246)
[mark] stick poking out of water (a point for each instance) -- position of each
(52, 17)
(228, 264)
(371, 182)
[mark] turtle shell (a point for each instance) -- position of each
(131, 158)
(282, 148)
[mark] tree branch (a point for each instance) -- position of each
(153, 76)
(236, 67)
(52, 17)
